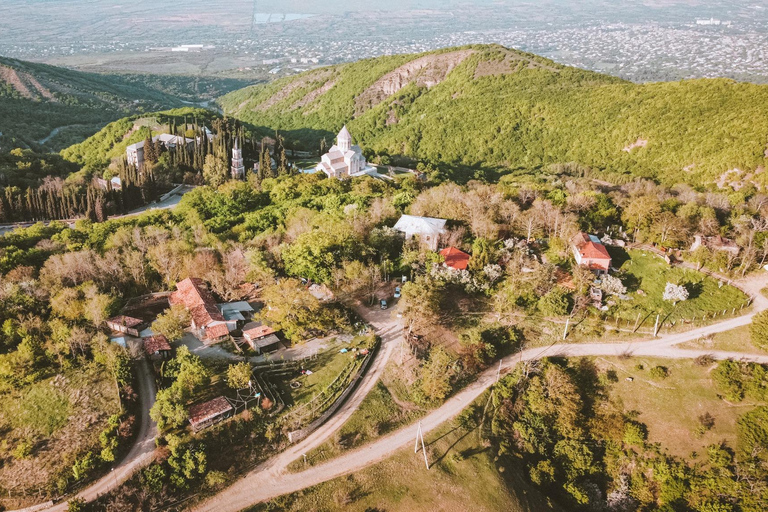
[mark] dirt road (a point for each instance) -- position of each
(271, 479)
(141, 453)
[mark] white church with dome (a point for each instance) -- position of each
(344, 160)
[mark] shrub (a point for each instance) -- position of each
(82, 467)
(705, 360)
(635, 434)
(23, 450)
(728, 379)
(659, 372)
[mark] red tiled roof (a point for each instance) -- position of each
(126, 321)
(156, 343)
(216, 331)
(193, 294)
(209, 410)
(455, 258)
(594, 251)
(257, 331)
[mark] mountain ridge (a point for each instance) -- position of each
(497, 108)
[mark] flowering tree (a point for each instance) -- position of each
(675, 292)
(612, 285)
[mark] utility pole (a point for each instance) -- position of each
(565, 331)
(420, 434)
(656, 327)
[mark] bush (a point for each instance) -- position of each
(23, 450)
(659, 372)
(635, 434)
(82, 467)
(554, 303)
(705, 360)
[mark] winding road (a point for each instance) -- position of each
(271, 479)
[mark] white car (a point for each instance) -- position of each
(397, 292)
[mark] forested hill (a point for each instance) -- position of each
(491, 107)
(37, 98)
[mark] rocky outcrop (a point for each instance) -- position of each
(321, 75)
(426, 71)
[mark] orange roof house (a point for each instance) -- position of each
(206, 317)
(455, 258)
(590, 253)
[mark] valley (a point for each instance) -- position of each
(254, 291)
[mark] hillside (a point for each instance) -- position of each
(36, 99)
(488, 107)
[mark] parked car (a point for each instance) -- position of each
(383, 304)
(397, 292)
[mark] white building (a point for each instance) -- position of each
(238, 167)
(135, 152)
(428, 229)
(344, 160)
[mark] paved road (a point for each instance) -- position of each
(170, 202)
(272, 479)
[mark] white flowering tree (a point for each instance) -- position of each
(675, 293)
(612, 285)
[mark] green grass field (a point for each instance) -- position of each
(645, 275)
(735, 340)
(59, 419)
(671, 407)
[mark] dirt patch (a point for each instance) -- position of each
(313, 95)
(285, 92)
(11, 77)
(426, 71)
(639, 143)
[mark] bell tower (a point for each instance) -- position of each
(344, 140)
(238, 167)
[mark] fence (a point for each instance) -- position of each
(336, 399)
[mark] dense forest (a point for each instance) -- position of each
(487, 108)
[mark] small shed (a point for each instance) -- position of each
(261, 338)
(235, 313)
(209, 413)
(127, 325)
(157, 347)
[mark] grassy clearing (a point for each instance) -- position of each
(58, 419)
(377, 415)
(671, 407)
(645, 275)
(463, 476)
(735, 340)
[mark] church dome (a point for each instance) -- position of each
(344, 135)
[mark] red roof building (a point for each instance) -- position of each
(126, 324)
(591, 253)
(206, 317)
(157, 346)
(261, 338)
(455, 258)
(209, 413)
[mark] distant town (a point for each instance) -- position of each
(700, 43)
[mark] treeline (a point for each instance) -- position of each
(579, 446)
